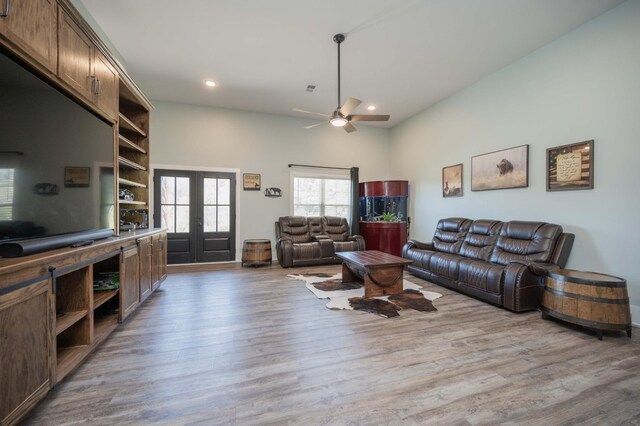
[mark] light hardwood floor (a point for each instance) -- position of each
(250, 346)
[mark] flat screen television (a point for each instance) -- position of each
(56, 161)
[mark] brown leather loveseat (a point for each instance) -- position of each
(499, 262)
(302, 241)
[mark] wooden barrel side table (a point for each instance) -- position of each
(590, 299)
(256, 252)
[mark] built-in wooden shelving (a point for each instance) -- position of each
(129, 125)
(133, 202)
(68, 319)
(68, 358)
(131, 164)
(102, 296)
(103, 326)
(127, 144)
(133, 153)
(127, 182)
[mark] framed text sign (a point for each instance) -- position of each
(570, 167)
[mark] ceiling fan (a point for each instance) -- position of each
(342, 116)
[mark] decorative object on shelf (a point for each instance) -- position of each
(46, 189)
(273, 192)
(570, 167)
(77, 177)
(251, 181)
(126, 195)
(452, 181)
(134, 219)
(504, 169)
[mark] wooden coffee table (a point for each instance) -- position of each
(382, 272)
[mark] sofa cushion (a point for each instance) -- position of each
(315, 225)
(481, 239)
(307, 251)
(420, 257)
(482, 275)
(335, 227)
(295, 228)
(526, 241)
(450, 234)
(444, 264)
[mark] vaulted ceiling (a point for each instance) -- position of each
(401, 55)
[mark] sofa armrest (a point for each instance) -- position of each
(419, 245)
(359, 239)
(284, 252)
(327, 249)
(538, 268)
(523, 285)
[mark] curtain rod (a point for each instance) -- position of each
(319, 167)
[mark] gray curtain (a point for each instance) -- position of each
(355, 201)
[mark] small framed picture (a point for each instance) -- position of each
(77, 177)
(452, 181)
(570, 167)
(251, 181)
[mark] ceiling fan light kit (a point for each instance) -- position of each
(342, 116)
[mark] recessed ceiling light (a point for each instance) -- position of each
(210, 83)
(371, 107)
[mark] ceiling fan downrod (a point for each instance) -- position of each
(339, 38)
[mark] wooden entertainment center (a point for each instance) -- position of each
(51, 318)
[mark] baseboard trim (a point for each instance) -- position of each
(205, 267)
(635, 315)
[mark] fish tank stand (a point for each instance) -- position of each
(383, 215)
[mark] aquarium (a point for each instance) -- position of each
(383, 208)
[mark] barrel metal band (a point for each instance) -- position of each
(588, 298)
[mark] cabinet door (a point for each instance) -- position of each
(129, 281)
(163, 257)
(145, 268)
(106, 86)
(26, 349)
(75, 56)
(156, 258)
(31, 26)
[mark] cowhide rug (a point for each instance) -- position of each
(350, 296)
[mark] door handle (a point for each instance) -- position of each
(7, 9)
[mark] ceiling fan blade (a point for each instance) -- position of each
(369, 117)
(310, 112)
(349, 128)
(349, 105)
(312, 126)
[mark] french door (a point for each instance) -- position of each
(198, 209)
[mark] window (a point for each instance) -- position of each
(321, 196)
(6, 193)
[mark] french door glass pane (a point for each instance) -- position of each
(167, 190)
(224, 219)
(210, 191)
(210, 219)
(182, 218)
(169, 218)
(182, 190)
(224, 191)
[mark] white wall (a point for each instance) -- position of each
(188, 135)
(585, 85)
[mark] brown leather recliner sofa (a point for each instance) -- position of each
(302, 241)
(499, 262)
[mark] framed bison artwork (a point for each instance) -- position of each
(570, 167)
(452, 181)
(508, 168)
